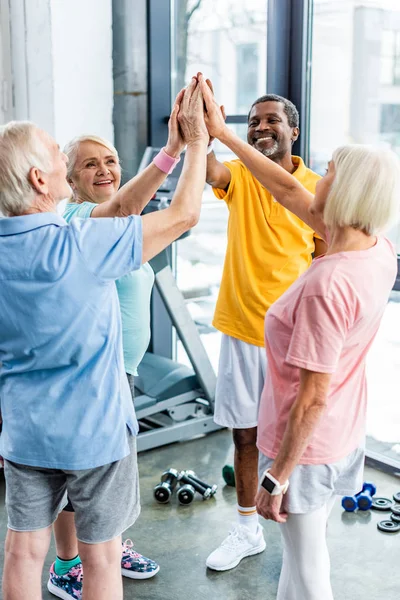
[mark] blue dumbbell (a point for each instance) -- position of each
(351, 503)
(364, 498)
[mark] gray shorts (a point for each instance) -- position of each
(105, 499)
(311, 486)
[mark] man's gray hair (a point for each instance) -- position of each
(289, 108)
(21, 149)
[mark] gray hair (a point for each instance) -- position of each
(366, 189)
(21, 149)
(291, 111)
(72, 148)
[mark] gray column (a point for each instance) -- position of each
(130, 82)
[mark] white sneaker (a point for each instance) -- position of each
(239, 544)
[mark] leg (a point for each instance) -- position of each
(246, 465)
(102, 568)
(24, 557)
(307, 569)
(65, 535)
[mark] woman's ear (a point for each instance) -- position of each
(71, 184)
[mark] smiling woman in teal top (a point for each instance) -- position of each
(134, 291)
(94, 175)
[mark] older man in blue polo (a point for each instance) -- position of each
(68, 420)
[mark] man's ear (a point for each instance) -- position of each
(295, 134)
(37, 180)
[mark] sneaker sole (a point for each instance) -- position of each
(56, 591)
(138, 574)
(235, 563)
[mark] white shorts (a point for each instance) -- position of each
(240, 381)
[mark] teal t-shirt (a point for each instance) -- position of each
(134, 291)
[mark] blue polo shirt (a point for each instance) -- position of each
(134, 292)
(65, 399)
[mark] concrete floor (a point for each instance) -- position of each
(365, 562)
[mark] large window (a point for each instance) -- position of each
(355, 98)
(227, 41)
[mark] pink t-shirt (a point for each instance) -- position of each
(326, 322)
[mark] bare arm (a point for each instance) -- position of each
(218, 175)
(132, 197)
(282, 185)
(303, 419)
(163, 227)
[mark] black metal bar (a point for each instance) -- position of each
(159, 75)
(300, 70)
(278, 46)
(289, 59)
(159, 108)
(396, 286)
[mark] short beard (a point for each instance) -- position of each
(268, 152)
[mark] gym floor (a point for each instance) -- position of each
(365, 562)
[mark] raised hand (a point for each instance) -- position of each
(175, 143)
(191, 114)
(222, 108)
(214, 114)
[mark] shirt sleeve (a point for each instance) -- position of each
(320, 328)
(81, 211)
(235, 167)
(110, 247)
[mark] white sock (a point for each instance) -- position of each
(247, 515)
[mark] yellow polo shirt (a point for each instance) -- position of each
(268, 249)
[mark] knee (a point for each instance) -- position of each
(100, 555)
(245, 439)
(27, 546)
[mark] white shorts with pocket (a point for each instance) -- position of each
(240, 381)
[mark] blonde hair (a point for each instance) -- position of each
(365, 191)
(21, 149)
(72, 148)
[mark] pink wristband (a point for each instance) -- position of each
(164, 162)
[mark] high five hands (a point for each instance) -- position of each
(195, 115)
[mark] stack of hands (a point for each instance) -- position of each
(196, 117)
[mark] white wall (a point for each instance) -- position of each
(61, 57)
(82, 68)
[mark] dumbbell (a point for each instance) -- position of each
(351, 503)
(364, 498)
(186, 493)
(228, 473)
(210, 490)
(164, 490)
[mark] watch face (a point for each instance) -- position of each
(268, 484)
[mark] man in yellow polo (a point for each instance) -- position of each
(268, 249)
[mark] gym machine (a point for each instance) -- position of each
(173, 402)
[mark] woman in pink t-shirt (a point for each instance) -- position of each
(311, 428)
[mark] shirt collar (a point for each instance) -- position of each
(13, 225)
(300, 172)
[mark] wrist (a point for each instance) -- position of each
(165, 162)
(273, 485)
(225, 136)
(199, 143)
(172, 152)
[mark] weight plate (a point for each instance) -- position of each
(395, 518)
(396, 497)
(396, 509)
(389, 526)
(381, 503)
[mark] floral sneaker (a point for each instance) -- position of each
(136, 566)
(68, 586)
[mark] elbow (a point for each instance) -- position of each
(192, 219)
